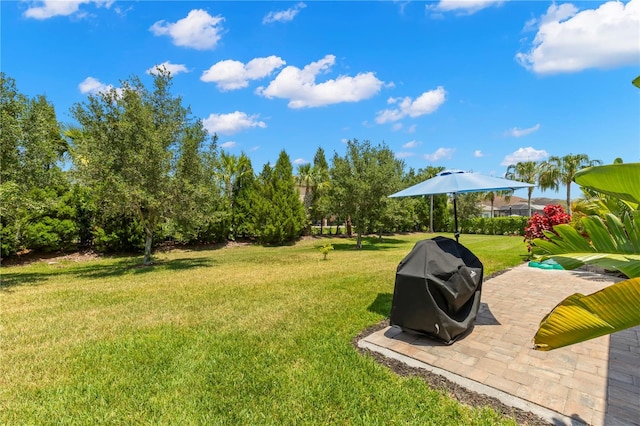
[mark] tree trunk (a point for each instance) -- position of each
(431, 216)
(529, 200)
(569, 198)
(380, 235)
(492, 215)
(359, 240)
(148, 243)
(350, 228)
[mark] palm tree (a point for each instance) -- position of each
(524, 171)
(230, 170)
(557, 171)
(305, 179)
(491, 196)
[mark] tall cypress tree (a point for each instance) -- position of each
(279, 214)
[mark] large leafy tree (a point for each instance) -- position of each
(362, 180)
(524, 171)
(559, 171)
(197, 203)
(128, 148)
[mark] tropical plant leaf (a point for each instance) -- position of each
(628, 264)
(636, 82)
(618, 180)
(613, 245)
(619, 235)
(632, 225)
(578, 318)
(601, 238)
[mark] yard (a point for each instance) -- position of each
(238, 335)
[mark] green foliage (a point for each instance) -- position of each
(127, 148)
(234, 176)
(278, 215)
(320, 202)
(613, 243)
(32, 184)
(361, 183)
(528, 172)
(512, 225)
(559, 171)
(468, 205)
(615, 180)
(118, 233)
(325, 249)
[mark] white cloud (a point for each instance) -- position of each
(344, 140)
(404, 154)
(477, 153)
(50, 8)
(411, 129)
(571, 41)
(229, 144)
(467, 7)
(441, 153)
(198, 30)
(517, 133)
(231, 123)
(524, 154)
(230, 74)
(93, 85)
(174, 69)
(396, 127)
(412, 144)
(254, 148)
(300, 87)
(283, 15)
(299, 161)
(426, 103)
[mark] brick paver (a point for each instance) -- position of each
(596, 382)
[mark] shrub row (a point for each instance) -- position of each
(512, 225)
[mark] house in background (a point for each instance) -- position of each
(519, 209)
(517, 206)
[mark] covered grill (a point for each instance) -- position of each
(437, 290)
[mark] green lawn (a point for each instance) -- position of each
(241, 335)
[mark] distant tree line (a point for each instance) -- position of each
(137, 169)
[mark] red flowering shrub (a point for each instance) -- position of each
(553, 215)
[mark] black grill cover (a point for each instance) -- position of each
(437, 290)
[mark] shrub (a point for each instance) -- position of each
(513, 225)
(325, 249)
(50, 234)
(552, 215)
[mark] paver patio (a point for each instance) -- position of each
(595, 382)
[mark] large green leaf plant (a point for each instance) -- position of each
(612, 243)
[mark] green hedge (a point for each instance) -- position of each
(512, 225)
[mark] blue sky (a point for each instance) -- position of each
(472, 85)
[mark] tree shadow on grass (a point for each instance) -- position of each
(369, 243)
(96, 271)
(382, 304)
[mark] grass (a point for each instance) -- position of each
(243, 335)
